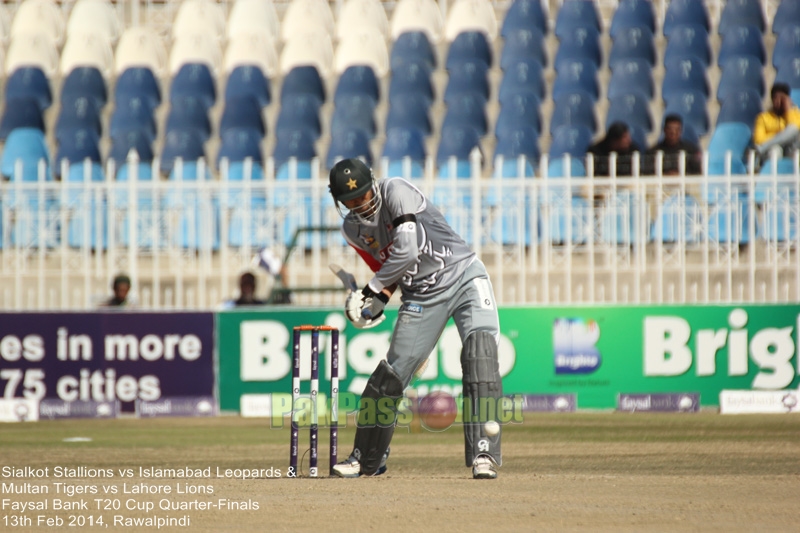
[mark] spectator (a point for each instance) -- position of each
(673, 145)
(121, 287)
(617, 140)
(778, 128)
(247, 291)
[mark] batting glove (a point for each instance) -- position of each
(353, 310)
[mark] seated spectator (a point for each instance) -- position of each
(247, 291)
(617, 140)
(778, 128)
(121, 286)
(672, 145)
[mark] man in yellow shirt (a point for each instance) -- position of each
(778, 128)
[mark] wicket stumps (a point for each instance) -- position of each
(333, 419)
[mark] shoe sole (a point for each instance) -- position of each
(380, 471)
(484, 475)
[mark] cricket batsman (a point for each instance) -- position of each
(408, 244)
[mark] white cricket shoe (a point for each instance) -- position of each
(483, 468)
(351, 467)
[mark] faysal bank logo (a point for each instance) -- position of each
(574, 346)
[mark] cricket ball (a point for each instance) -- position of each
(437, 410)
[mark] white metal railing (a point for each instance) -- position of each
(643, 239)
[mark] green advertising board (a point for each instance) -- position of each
(594, 352)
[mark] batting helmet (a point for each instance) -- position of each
(350, 178)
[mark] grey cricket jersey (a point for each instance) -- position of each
(425, 257)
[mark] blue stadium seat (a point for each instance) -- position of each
(688, 40)
(576, 75)
(469, 45)
(524, 141)
(524, 75)
(77, 114)
(519, 110)
(76, 147)
(787, 46)
(571, 140)
(29, 82)
(741, 41)
(688, 134)
(686, 74)
(412, 47)
(298, 144)
(184, 144)
(579, 44)
(133, 114)
(248, 80)
(122, 144)
(573, 109)
(242, 112)
(740, 106)
(680, 12)
(354, 111)
(351, 143)
(358, 79)
(239, 144)
(189, 170)
(780, 222)
(731, 137)
(717, 192)
(243, 170)
(523, 44)
(741, 72)
(88, 213)
(147, 229)
(524, 14)
(632, 74)
(409, 111)
(692, 107)
(299, 111)
(457, 142)
(194, 80)
(569, 219)
(638, 135)
(789, 72)
(137, 83)
(576, 14)
(189, 113)
(411, 78)
(85, 82)
(20, 113)
(144, 172)
(633, 14)
(26, 145)
(787, 14)
(239, 196)
(741, 13)
(194, 221)
(633, 43)
(404, 143)
(557, 168)
(620, 222)
(85, 171)
(468, 108)
(632, 109)
(728, 222)
(303, 80)
(467, 76)
(679, 218)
